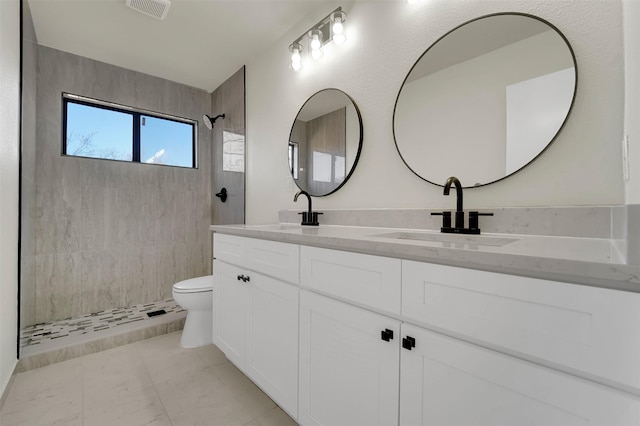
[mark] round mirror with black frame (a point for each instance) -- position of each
(485, 100)
(325, 142)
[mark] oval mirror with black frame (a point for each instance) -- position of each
(325, 142)
(485, 99)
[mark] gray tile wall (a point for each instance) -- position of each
(28, 193)
(228, 98)
(108, 233)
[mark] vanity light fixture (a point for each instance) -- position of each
(330, 28)
(296, 57)
(337, 28)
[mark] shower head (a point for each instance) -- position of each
(208, 120)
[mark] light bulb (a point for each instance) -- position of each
(296, 59)
(295, 56)
(337, 28)
(316, 38)
(339, 38)
(317, 53)
(315, 42)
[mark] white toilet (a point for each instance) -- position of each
(196, 297)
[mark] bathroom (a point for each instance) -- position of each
(582, 168)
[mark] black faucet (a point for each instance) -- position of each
(459, 219)
(459, 211)
(309, 218)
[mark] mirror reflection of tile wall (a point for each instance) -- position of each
(322, 150)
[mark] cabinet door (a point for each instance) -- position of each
(348, 374)
(231, 297)
(587, 329)
(272, 340)
(445, 381)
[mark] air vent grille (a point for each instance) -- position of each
(155, 8)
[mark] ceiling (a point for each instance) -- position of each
(200, 43)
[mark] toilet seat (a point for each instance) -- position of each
(194, 285)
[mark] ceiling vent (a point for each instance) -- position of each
(154, 8)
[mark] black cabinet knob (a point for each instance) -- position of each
(408, 343)
(386, 335)
(240, 277)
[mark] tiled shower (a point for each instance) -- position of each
(98, 235)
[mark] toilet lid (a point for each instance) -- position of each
(194, 285)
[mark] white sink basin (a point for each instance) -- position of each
(480, 240)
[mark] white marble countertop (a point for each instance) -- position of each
(586, 261)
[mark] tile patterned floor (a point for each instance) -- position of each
(152, 382)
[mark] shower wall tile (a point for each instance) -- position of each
(171, 261)
(100, 281)
(171, 214)
(28, 212)
(108, 233)
(198, 259)
(139, 276)
(92, 212)
(140, 205)
(58, 285)
(199, 217)
(28, 289)
(58, 219)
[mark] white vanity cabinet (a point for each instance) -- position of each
(348, 374)
(385, 341)
(256, 312)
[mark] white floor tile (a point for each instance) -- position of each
(143, 407)
(153, 382)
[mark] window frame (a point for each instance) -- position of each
(136, 114)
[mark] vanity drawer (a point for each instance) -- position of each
(272, 258)
(368, 280)
(585, 329)
(229, 248)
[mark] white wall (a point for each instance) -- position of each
(582, 167)
(632, 96)
(9, 162)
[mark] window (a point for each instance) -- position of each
(103, 130)
(293, 159)
(321, 166)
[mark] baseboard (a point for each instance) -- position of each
(7, 386)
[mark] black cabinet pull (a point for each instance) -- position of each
(386, 335)
(408, 343)
(243, 278)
